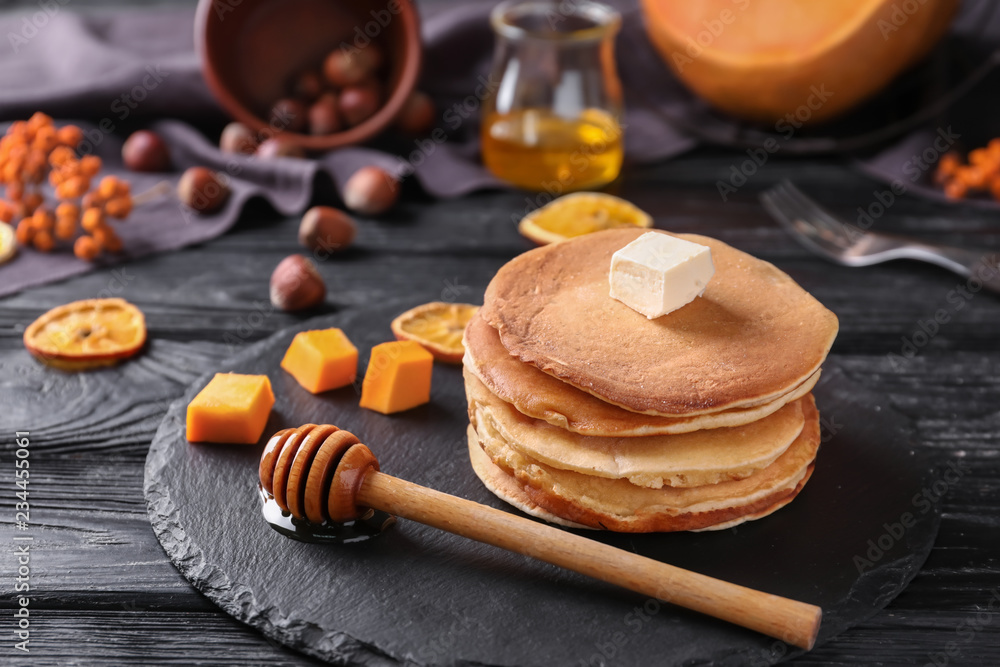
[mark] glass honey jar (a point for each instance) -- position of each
(553, 121)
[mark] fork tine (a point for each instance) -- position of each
(794, 218)
(821, 216)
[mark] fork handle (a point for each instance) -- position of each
(977, 266)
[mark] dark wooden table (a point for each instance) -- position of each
(103, 591)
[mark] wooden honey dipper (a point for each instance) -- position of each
(321, 473)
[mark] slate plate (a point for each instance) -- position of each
(853, 539)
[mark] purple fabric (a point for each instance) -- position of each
(93, 69)
(110, 72)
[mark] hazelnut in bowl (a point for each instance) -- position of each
(321, 73)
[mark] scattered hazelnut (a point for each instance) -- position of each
(146, 151)
(347, 67)
(308, 86)
(289, 115)
(325, 229)
(201, 189)
(359, 103)
(296, 284)
(278, 147)
(417, 115)
(238, 138)
(370, 191)
(324, 115)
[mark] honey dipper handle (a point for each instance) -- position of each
(793, 622)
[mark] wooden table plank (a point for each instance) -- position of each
(108, 594)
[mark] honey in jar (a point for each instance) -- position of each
(539, 150)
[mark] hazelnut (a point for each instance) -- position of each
(201, 189)
(279, 147)
(146, 151)
(308, 85)
(296, 284)
(359, 103)
(417, 115)
(324, 115)
(238, 138)
(347, 67)
(289, 115)
(325, 229)
(370, 191)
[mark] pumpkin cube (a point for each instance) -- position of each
(232, 408)
(398, 377)
(321, 360)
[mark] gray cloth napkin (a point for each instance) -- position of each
(111, 72)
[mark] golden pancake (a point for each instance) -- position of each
(545, 397)
(685, 460)
(509, 490)
(505, 487)
(616, 504)
(752, 337)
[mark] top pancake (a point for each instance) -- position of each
(752, 337)
(542, 396)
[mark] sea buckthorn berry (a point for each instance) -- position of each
(68, 210)
(69, 135)
(15, 190)
(42, 219)
(65, 228)
(6, 211)
(980, 158)
(92, 200)
(90, 165)
(25, 232)
(73, 187)
(86, 248)
(108, 187)
(32, 201)
(39, 120)
(106, 238)
(92, 219)
(43, 240)
(61, 155)
(11, 172)
(955, 189)
(45, 139)
(119, 207)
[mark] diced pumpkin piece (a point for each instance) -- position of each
(398, 377)
(321, 360)
(232, 408)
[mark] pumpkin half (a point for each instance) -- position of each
(761, 60)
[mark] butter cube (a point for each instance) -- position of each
(657, 273)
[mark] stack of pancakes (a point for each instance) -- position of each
(586, 413)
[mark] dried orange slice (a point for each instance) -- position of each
(8, 242)
(438, 327)
(578, 214)
(87, 334)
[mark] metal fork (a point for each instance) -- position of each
(840, 241)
